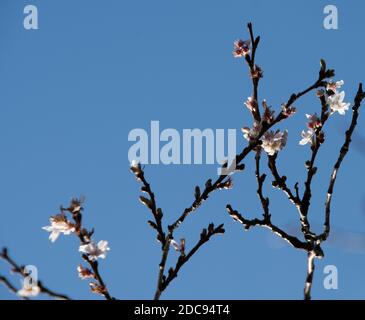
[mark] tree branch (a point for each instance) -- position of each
(204, 237)
(344, 149)
(16, 268)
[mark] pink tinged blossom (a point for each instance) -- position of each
(29, 291)
(313, 121)
(85, 273)
(273, 142)
(287, 111)
(95, 251)
(59, 224)
(307, 137)
(252, 133)
(336, 103)
(241, 48)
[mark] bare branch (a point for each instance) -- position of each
(310, 274)
(344, 149)
(204, 237)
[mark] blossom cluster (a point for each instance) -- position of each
(334, 100)
(92, 251)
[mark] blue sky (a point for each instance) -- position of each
(72, 91)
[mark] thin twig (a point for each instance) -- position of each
(265, 222)
(16, 268)
(204, 237)
(75, 209)
(11, 287)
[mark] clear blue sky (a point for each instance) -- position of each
(71, 91)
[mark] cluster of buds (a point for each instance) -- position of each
(268, 115)
(287, 111)
(251, 104)
(256, 72)
(97, 288)
(85, 273)
(226, 185)
(241, 48)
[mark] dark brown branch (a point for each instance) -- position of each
(255, 74)
(311, 170)
(150, 204)
(204, 237)
(161, 277)
(280, 182)
(344, 149)
(260, 182)
(16, 268)
(11, 288)
(265, 222)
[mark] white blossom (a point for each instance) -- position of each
(29, 291)
(335, 85)
(307, 137)
(59, 224)
(175, 245)
(95, 251)
(273, 142)
(336, 103)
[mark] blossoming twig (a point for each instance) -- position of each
(90, 250)
(4, 254)
(331, 101)
(168, 240)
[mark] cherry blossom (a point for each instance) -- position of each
(307, 137)
(336, 103)
(273, 142)
(59, 224)
(95, 251)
